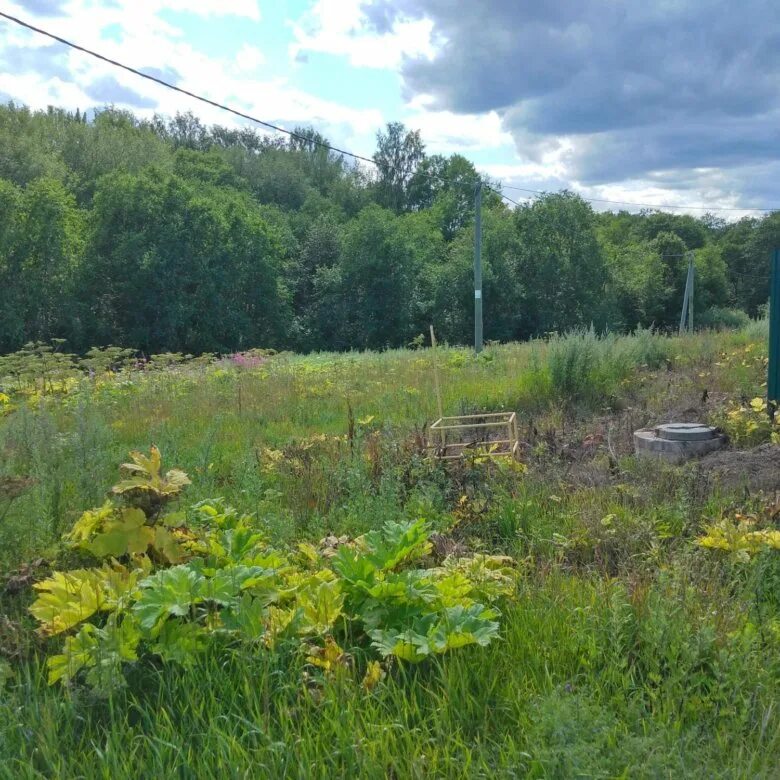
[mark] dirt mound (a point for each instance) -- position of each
(756, 469)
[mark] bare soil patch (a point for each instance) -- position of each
(755, 469)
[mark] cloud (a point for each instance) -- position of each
(448, 133)
(45, 7)
(249, 58)
(37, 74)
(340, 27)
(629, 89)
(48, 60)
(167, 73)
(108, 90)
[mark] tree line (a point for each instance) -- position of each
(167, 235)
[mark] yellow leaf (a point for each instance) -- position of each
(328, 657)
(374, 675)
(90, 523)
(308, 552)
(67, 599)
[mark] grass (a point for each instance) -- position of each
(628, 652)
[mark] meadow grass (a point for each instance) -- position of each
(629, 651)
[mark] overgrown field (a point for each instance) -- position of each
(325, 599)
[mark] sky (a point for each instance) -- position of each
(660, 102)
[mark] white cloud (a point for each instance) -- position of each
(249, 58)
(340, 27)
(147, 41)
(446, 133)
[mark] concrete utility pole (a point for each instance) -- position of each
(687, 307)
(478, 269)
(692, 261)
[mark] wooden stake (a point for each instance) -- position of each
(436, 384)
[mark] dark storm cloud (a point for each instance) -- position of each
(641, 86)
(108, 90)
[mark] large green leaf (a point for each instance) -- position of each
(124, 533)
(397, 543)
(406, 645)
(355, 568)
(247, 617)
(180, 642)
(320, 605)
(237, 545)
(226, 584)
(78, 652)
(461, 626)
(101, 651)
(168, 592)
(437, 633)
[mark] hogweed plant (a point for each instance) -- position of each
(168, 584)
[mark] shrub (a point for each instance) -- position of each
(574, 362)
(721, 318)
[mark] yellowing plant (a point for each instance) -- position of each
(743, 535)
(166, 589)
(749, 424)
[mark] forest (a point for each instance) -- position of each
(168, 235)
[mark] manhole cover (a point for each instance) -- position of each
(686, 432)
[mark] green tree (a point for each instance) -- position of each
(398, 155)
(175, 266)
(690, 230)
(376, 281)
(638, 286)
(561, 265)
(40, 252)
(752, 273)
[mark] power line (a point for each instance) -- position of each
(167, 84)
(647, 205)
(322, 144)
(501, 194)
(229, 109)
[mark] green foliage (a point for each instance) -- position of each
(750, 424)
(626, 648)
(235, 586)
(720, 318)
(168, 235)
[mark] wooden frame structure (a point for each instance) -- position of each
(470, 434)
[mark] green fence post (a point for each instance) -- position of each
(773, 381)
(478, 269)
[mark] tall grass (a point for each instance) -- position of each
(627, 653)
(582, 685)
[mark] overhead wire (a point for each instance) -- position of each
(649, 205)
(323, 144)
(236, 112)
(183, 91)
